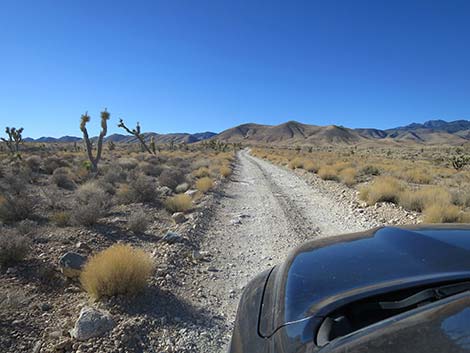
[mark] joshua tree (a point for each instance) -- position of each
(111, 146)
(85, 118)
(152, 145)
(136, 133)
(14, 139)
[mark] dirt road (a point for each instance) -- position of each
(264, 213)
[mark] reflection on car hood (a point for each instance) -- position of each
(322, 275)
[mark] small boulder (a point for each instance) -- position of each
(164, 191)
(179, 217)
(71, 264)
(172, 237)
(191, 192)
(92, 323)
(182, 188)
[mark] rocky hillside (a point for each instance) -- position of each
(292, 132)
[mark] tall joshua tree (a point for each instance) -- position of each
(94, 160)
(136, 132)
(14, 139)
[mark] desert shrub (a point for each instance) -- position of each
(52, 163)
(328, 172)
(464, 217)
(296, 163)
(382, 189)
(204, 184)
(13, 247)
(348, 176)
(182, 188)
(127, 163)
(15, 208)
(26, 226)
(417, 176)
(62, 178)
(114, 174)
(61, 218)
(461, 197)
(150, 169)
(310, 166)
(442, 213)
(420, 199)
(225, 171)
(171, 178)
(138, 222)
(142, 189)
(370, 170)
(178, 203)
(91, 203)
(34, 163)
(118, 270)
(201, 172)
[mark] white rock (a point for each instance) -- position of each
(92, 323)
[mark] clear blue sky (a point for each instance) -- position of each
(208, 65)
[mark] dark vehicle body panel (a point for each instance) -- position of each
(323, 275)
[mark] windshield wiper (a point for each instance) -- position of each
(426, 295)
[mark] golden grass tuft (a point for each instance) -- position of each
(179, 203)
(328, 172)
(442, 213)
(296, 163)
(204, 184)
(425, 197)
(310, 166)
(201, 172)
(117, 270)
(382, 189)
(348, 176)
(225, 171)
(417, 176)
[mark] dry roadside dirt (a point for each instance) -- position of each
(264, 212)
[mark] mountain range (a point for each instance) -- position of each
(292, 132)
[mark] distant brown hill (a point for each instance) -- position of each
(290, 132)
(293, 132)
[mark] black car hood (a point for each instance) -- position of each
(325, 274)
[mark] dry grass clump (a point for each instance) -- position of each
(61, 218)
(204, 184)
(91, 203)
(201, 172)
(118, 270)
(296, 163)
(13, 247)
(225, 171)
(310, 166)
(417, 176)
(382, 189)
(419, 200)
(178, 203)
(328, 172)
(348, 176)
(138, 222)
(442, 213)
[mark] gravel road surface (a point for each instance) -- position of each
(264, 213)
